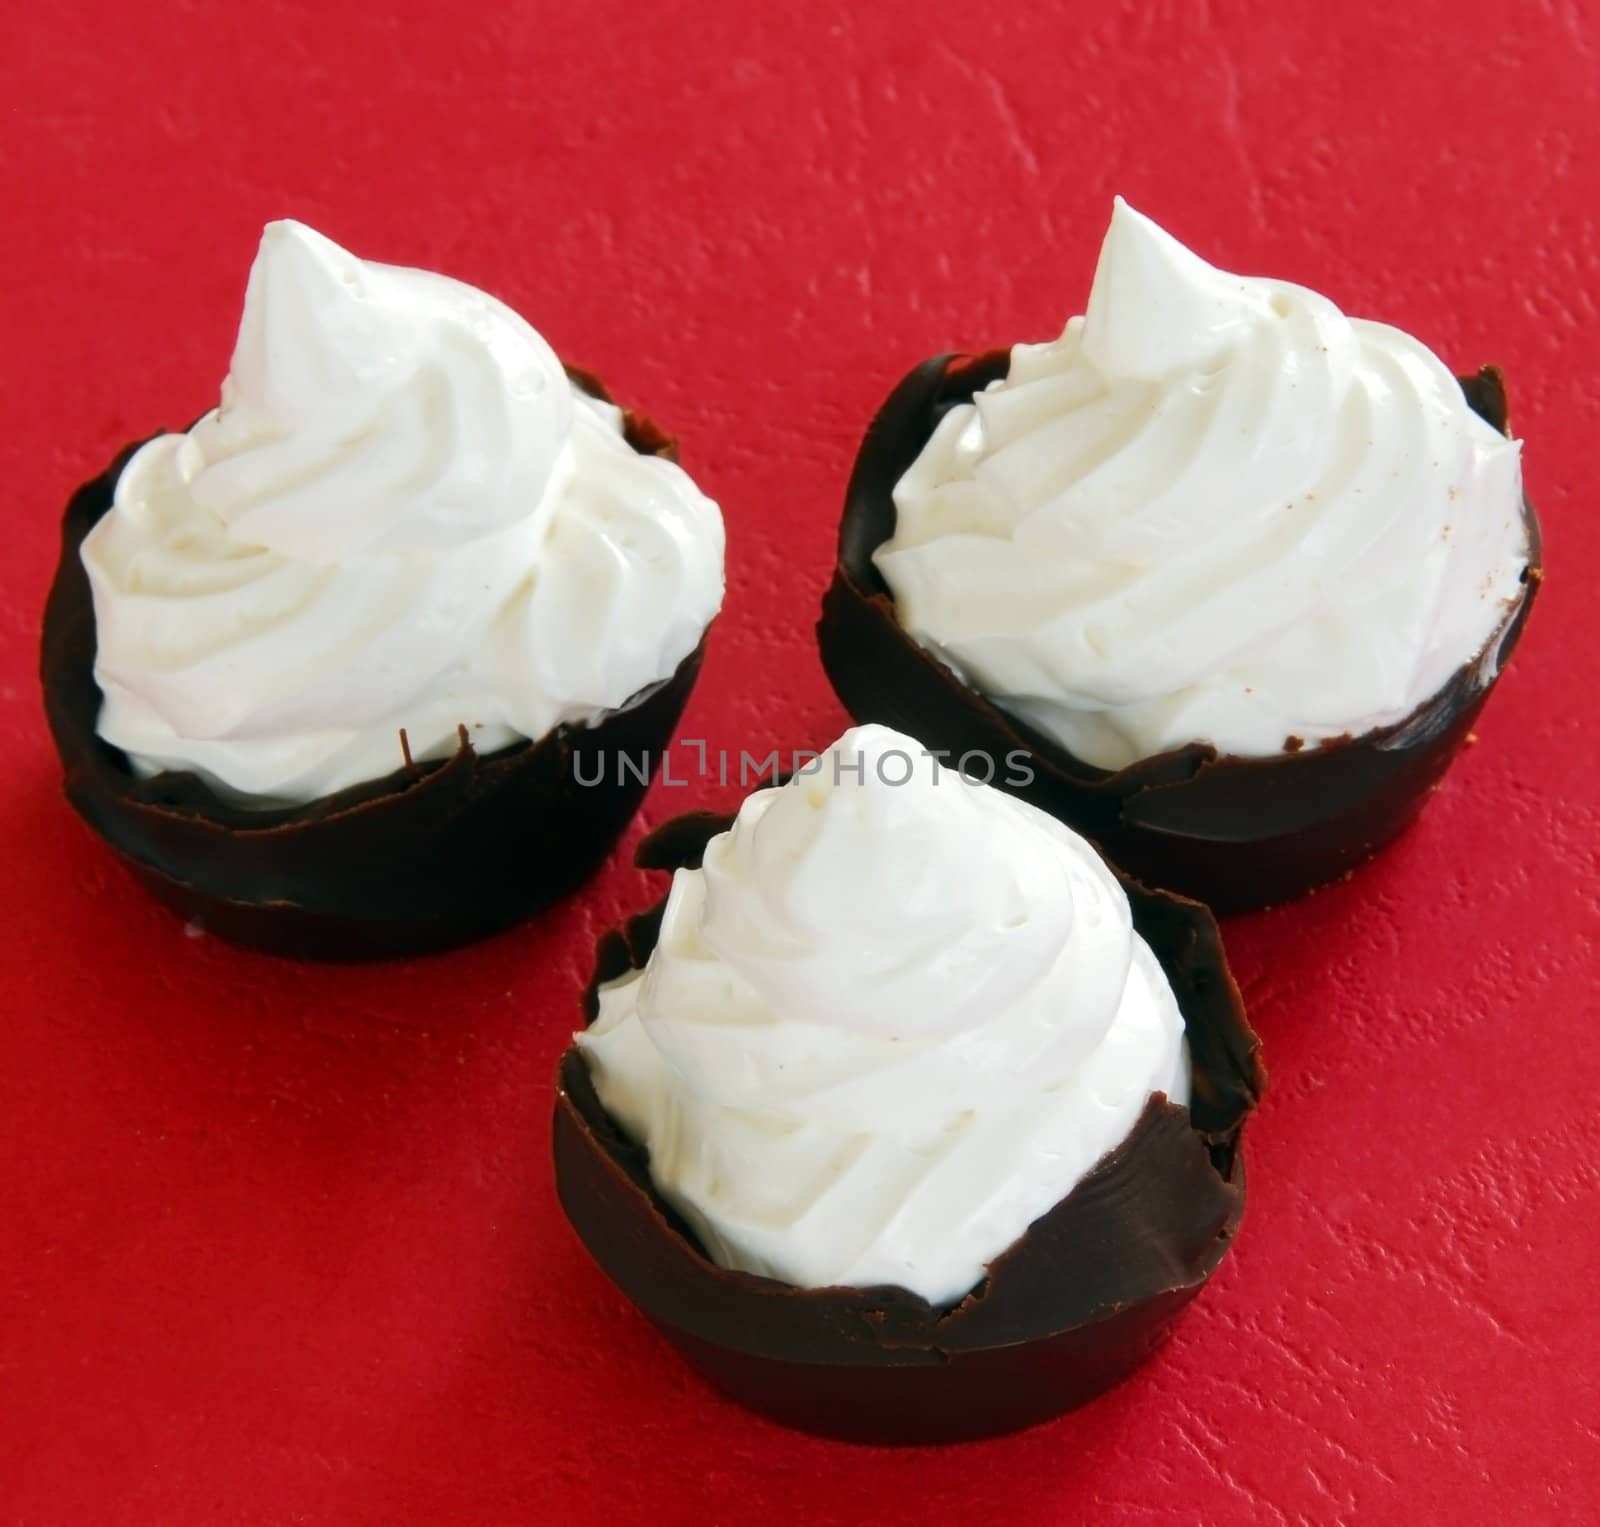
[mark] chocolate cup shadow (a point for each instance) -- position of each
(422, 859)
(1075, 1305)
(1235, 833)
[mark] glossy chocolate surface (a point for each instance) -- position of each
(1072, 1307)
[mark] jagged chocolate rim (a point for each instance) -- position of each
(1151, 1221)
(1140, 794)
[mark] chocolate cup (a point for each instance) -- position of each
(422, 859)
(1072, 1307)
(1236, 833)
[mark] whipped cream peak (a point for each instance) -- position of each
(1157, 308)
(1214, 510)
(893, 1018)
(402, 516)
(812, 897)
(372, 408)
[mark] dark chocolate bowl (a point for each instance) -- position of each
(1236, 833)
(1075, 1305)
(419, 860)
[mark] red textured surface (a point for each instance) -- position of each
(280, 1244)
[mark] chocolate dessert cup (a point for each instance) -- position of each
(1075, 1305)
(1236, 833)
(421, 859)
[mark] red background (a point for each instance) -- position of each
(280, 1244)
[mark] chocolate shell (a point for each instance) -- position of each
(1075, 1305)
(422, 859)
(1235, 833)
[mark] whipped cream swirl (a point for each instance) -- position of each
(893, 1020)
(1215, 509)
(402, 516)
